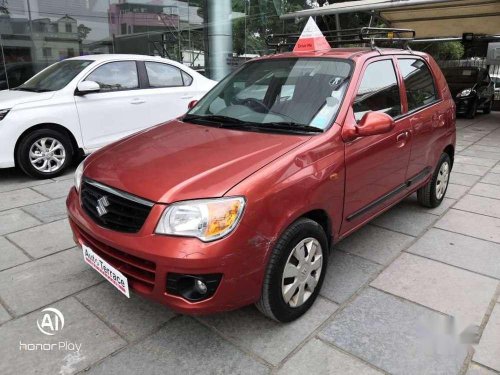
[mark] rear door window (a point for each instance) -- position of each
(163, 75)
(419, 84)
(378, 91)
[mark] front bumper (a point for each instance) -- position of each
(464, 104)
(147, 259)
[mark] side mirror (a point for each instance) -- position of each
(192, 103)
(372, 123)
(87, 87)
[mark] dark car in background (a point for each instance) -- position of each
(15, 74)
(472, 88)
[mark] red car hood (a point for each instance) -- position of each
(179, 161)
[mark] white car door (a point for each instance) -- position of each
(117, 110)
(170, 91)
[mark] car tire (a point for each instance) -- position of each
(432, 194)
(306, 275)
(471, 113)
(44, 153)
(487, 108)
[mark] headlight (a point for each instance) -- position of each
(465, 92)
(206, 219)
(78, 176)
(3, 113)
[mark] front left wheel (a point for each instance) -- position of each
(44, 153)
(295, 271)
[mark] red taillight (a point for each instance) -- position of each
(192, 103)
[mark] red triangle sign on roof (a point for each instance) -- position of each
(311, 39)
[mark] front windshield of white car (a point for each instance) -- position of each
(55, 77)
(290, 92)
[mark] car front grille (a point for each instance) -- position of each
(140, 272)
(113, 209)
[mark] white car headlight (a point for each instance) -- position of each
(206, 219)
(78, 176)
(465, 92)
(3, 113)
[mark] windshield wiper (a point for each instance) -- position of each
(276, 126)
(30, 89)
(218, 119)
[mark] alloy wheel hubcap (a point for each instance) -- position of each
(302, 272)
(47, 155)
(442, 180)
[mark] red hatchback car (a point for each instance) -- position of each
(240, 201)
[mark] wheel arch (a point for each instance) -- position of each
(322, 218)
(77, 150)
(450, 150)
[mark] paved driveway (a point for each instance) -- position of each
(386, 304)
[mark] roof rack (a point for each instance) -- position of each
(283, 42)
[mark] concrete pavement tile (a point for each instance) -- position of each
(14, 179)
(56, 189)
(464, 159)
(486, 190)
(494, 149)
(395, 335)
(377, 244)
(477, 170)
(4, 315)
(489, 142)
(346, 274)
(31, 285)
(456, 191)
(453, 291)
(81, 327)
(479, 205)
(492, 178)
(50, 238)
(404, 220)
(18, 198)
(479, 226)
(133, 317)
(48, 211)
(488, 350)
(463, 179)
(14, 220)
(480, 154)
(475, 369)
(10, 255)
(183, 346)
(459, 250)
(496, 169)
(268, 339)
(322, 359)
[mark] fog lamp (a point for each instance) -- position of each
(200, 286)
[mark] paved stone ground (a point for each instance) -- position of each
(385, 307)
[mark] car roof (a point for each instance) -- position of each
(117, 56)
(346, 53)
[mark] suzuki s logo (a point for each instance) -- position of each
(51, 322)
(102, 203)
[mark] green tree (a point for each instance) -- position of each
(453, 50)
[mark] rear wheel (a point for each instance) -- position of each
(487, 107)
(295, 271)
(44, 153)
(432, 194)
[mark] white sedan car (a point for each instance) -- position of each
(81, 104)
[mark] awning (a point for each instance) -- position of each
(429, 18)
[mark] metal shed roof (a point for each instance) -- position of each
(429, 18)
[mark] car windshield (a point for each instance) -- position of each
(286, 94)
(56, 76)
(461, 75)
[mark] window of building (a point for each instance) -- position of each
(116, 76)
(419, 84)
(47, 52)
(71, 52)
(378, 91)
(163, 75)
(69, 28)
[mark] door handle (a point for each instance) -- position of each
(187, 97)
(402, 136)
(137, 101)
